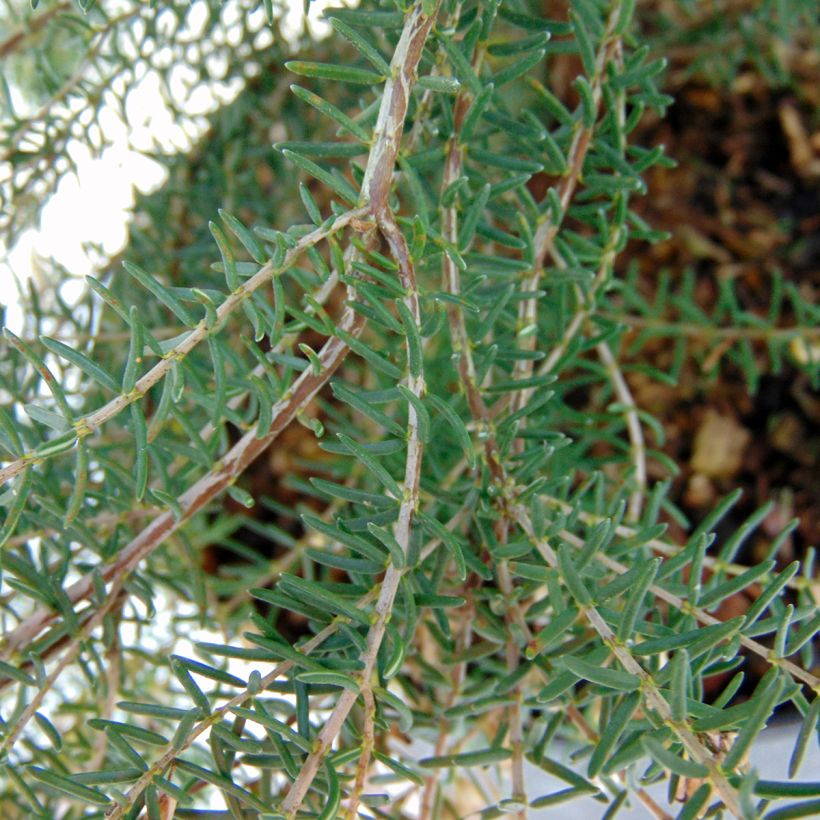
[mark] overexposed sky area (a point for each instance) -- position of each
(87, 218)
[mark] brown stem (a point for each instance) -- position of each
(90, 423)
(235, 462)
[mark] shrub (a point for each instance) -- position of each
(469, 559)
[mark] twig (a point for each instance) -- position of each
(709, 332)
(666, 548)
(376, 187)
(649, 689)
(457, 677)
(548, 229)
(90, 423)
(705, 618)
(368, 742)
(208, 487)
(633, 426)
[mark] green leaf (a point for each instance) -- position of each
(415, 355)
(49, 730)
(695, 803)
(80, 360)
(19, 675)
(330, 110)
(369, 355)
(680, 685)
(223, 783)
(366, 408)
(612, 732)
(518, 68)
(160, 292)
(478, 107)
(338, 73)
(471, 217)
(329, 679)
(367, 49)
(245, 236)
(209, 671)
(763, 704)
(438, 530)
(229, 266)
(770, 593)
(570, 577)
(199, 698)
(399, 768)
(461, 66)
(140, 431)
(422, 416)
(484, 757)
(49, 418)
(632, 609)
(386, 480)
(129, 730)
(562, 772)
(386, 697)
(811, 808)
(337, 184)
(807, 728)
(669, 760)
(354, 542)
(457, 425)
(135, 351)
(585, 46)
(21, 497)
(68, 786)
(440, 84)
(318, 595)
(602, 675)
(391, 544)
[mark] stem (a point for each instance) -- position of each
(90, 423)
(368, 742)
(704, 617)
(633, 426)
(235, 462)
(376, 188)
(649, 689)
(548, 229)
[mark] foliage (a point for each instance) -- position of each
(471, 561)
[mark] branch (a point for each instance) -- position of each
(177, 748)
(376, 187)
(207, 488)
(90, 423)
(548, 229)
(649, 689)
(407, 509)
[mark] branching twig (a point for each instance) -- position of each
(207, 488)
(90, 423)
(375, 191)
(649, 688)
